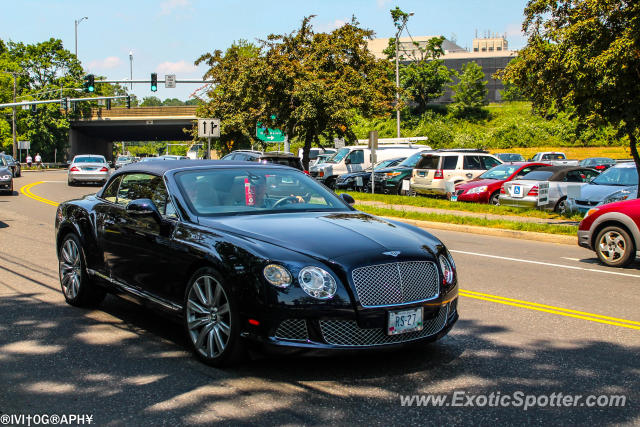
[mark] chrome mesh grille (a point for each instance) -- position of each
(396, 283)
(292, 329)
(348, 333)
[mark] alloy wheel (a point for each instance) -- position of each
(612, 246)
(70, 269)
(208, 317)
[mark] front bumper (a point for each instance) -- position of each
(342, 332)
(6, 185)
(474, 198)
(584, 239)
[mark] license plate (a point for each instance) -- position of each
(454, 197)
(401, 322)
(516, 191)
(359, 181)
(89, 169)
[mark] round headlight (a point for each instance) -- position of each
(317, 282)
(447, 270)
(277, 275)
(5, 176)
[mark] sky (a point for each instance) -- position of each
(167, 36)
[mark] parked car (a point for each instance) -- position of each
(526, 192)
(6, 176)
(359, 181)
(617, 183)
(554, 158)
(486, 187)
(88, 168)
(256, 254)
(122, 160)
(438, 167)
(281, 158)
(357, 158)
(597, 163)
(510, 157)
(613, 232)
(322, 158)
(14, 165)
(389, 180)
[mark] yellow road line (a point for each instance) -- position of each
(26, 190)
(560, 311)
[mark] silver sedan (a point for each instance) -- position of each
(88, 168)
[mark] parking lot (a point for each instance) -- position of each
(536, 318)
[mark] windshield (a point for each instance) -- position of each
(89, 160)
(212, 192)
(617, 176)
(341, 154)
(499, 172)
(510, 157)
(123, 158)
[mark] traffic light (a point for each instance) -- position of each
(128, 101)
(89, 83)
(154, 82)
(34, 108)
(64, 104)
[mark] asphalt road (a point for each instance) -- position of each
(535, 318)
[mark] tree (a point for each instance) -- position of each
(151, 101)
(583, 57)
(470, 92)
(316, 83)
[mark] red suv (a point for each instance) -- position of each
(613, 231)
(486, 187)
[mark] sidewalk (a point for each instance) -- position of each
(514, 218)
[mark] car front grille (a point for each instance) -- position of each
(396, 283)
(292, 329)
(586, 203)
(348, 333)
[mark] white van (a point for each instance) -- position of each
(357, 158)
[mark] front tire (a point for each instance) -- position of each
(77, 287)
(615, 247)
(561, 207)
(495, 198)
(211, 319)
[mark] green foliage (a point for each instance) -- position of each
(582, 58)
(511, 92)
(151, 101)
(470, 92)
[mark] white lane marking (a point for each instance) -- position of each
(571, 259)
(570, 267)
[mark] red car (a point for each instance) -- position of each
(612, 231)
(486, 187)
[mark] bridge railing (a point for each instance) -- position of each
(101, 113)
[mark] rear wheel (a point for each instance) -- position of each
(77, 287)
(495, 198)
(615, 247)
(211, 319)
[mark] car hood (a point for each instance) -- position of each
(597, 193)
(354, 174)
(326, 235)
(4, 170)
(476, 183)
(393, 168)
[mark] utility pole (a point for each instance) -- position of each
(13, 120)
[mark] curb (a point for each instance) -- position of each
(497, 232)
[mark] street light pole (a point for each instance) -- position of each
(78, 21)
(404, 23)
(131, 67)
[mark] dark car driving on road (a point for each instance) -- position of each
(255, 254)
(6, 176)
(14, 165)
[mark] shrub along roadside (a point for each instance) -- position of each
(429, 202)
(464, 220)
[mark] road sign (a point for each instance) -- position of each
(24, 145)
(269, 135)
(170, 81)
(209, 128)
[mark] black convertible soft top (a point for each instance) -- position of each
(160, 167)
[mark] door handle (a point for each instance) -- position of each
(469, 175)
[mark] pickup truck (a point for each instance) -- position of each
(554, 158)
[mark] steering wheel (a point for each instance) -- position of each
(286, 199)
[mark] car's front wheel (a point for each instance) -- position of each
(78, 288)
(211, 319)
(615, 247)
(495, 198)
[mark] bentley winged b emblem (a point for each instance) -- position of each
(391, 253)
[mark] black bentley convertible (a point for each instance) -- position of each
(245, 253)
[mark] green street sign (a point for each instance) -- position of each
(269, 135)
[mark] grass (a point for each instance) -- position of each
(463, 220)
(428, 202)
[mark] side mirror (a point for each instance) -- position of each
(347, 199)
(144, 207)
